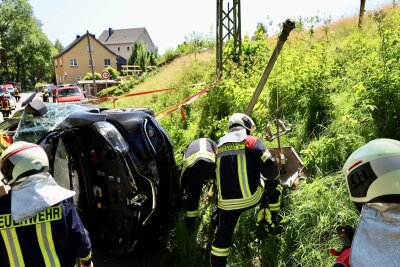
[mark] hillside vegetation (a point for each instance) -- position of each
(337, 86)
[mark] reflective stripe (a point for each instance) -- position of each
(243, 181)
(46, 244)
(274, 207)
(192, 214)
(4, 143)
(194, 157)
(230, 153)
(13, 249)
(88, 257)
(218, 178)
(266, 156)
(233, 204)
(220, 252)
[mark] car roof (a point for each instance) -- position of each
(69, 86)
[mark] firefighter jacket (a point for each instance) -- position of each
(53, 237)
(4, 104)
(199, 149)
(240, 160)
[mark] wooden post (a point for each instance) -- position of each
(288, 26)
(91, 63)
(361, 15)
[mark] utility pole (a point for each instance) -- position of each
(91, 63)
(228, 26)
(361, 15)
(288, 26)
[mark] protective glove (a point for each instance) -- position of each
(264, 218)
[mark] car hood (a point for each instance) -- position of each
(70, 98)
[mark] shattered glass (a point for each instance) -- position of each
(31, 128)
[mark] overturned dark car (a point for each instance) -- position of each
(120, 163)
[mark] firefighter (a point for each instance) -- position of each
(240, 159)
(198, 167)
(54, 94)
(5, 106)
(373, 177)
(46, 95)
(16, 95)
(39, 224)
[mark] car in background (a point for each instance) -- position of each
(8, 128)
(10, 88)
(3, 90)
(11, 99)
(70, 93)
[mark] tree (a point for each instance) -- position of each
(195, 42)
(58, 45)
(25, 52)
(140, 55)
(261, 32)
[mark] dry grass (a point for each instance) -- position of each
(164, 78)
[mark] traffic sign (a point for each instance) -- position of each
(105, 75)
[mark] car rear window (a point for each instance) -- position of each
(68, 91)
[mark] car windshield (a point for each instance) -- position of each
(10, 88)
(32, 128)
(68, 91)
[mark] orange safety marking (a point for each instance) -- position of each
(180, 104)
(115, 98)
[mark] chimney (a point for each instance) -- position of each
(78, 36)
(110, 31)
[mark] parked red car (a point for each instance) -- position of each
(69, 93)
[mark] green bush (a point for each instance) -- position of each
(113, 73)
(89, 76)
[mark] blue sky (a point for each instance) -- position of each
(169, 21)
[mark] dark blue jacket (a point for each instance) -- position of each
(54, 237)
(240, 161)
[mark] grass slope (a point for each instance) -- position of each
(168, 76)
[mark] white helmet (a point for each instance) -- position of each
(373, 172)
(240, 119)
(22, 159)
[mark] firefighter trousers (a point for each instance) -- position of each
(226, 223)
(192, 182)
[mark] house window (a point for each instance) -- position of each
(78, 78)
(91, 48)
(60, 62)
(119, 49)
(107, 62)
(55, 62)
(90, 63)
(73, 62)
(127, 48)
